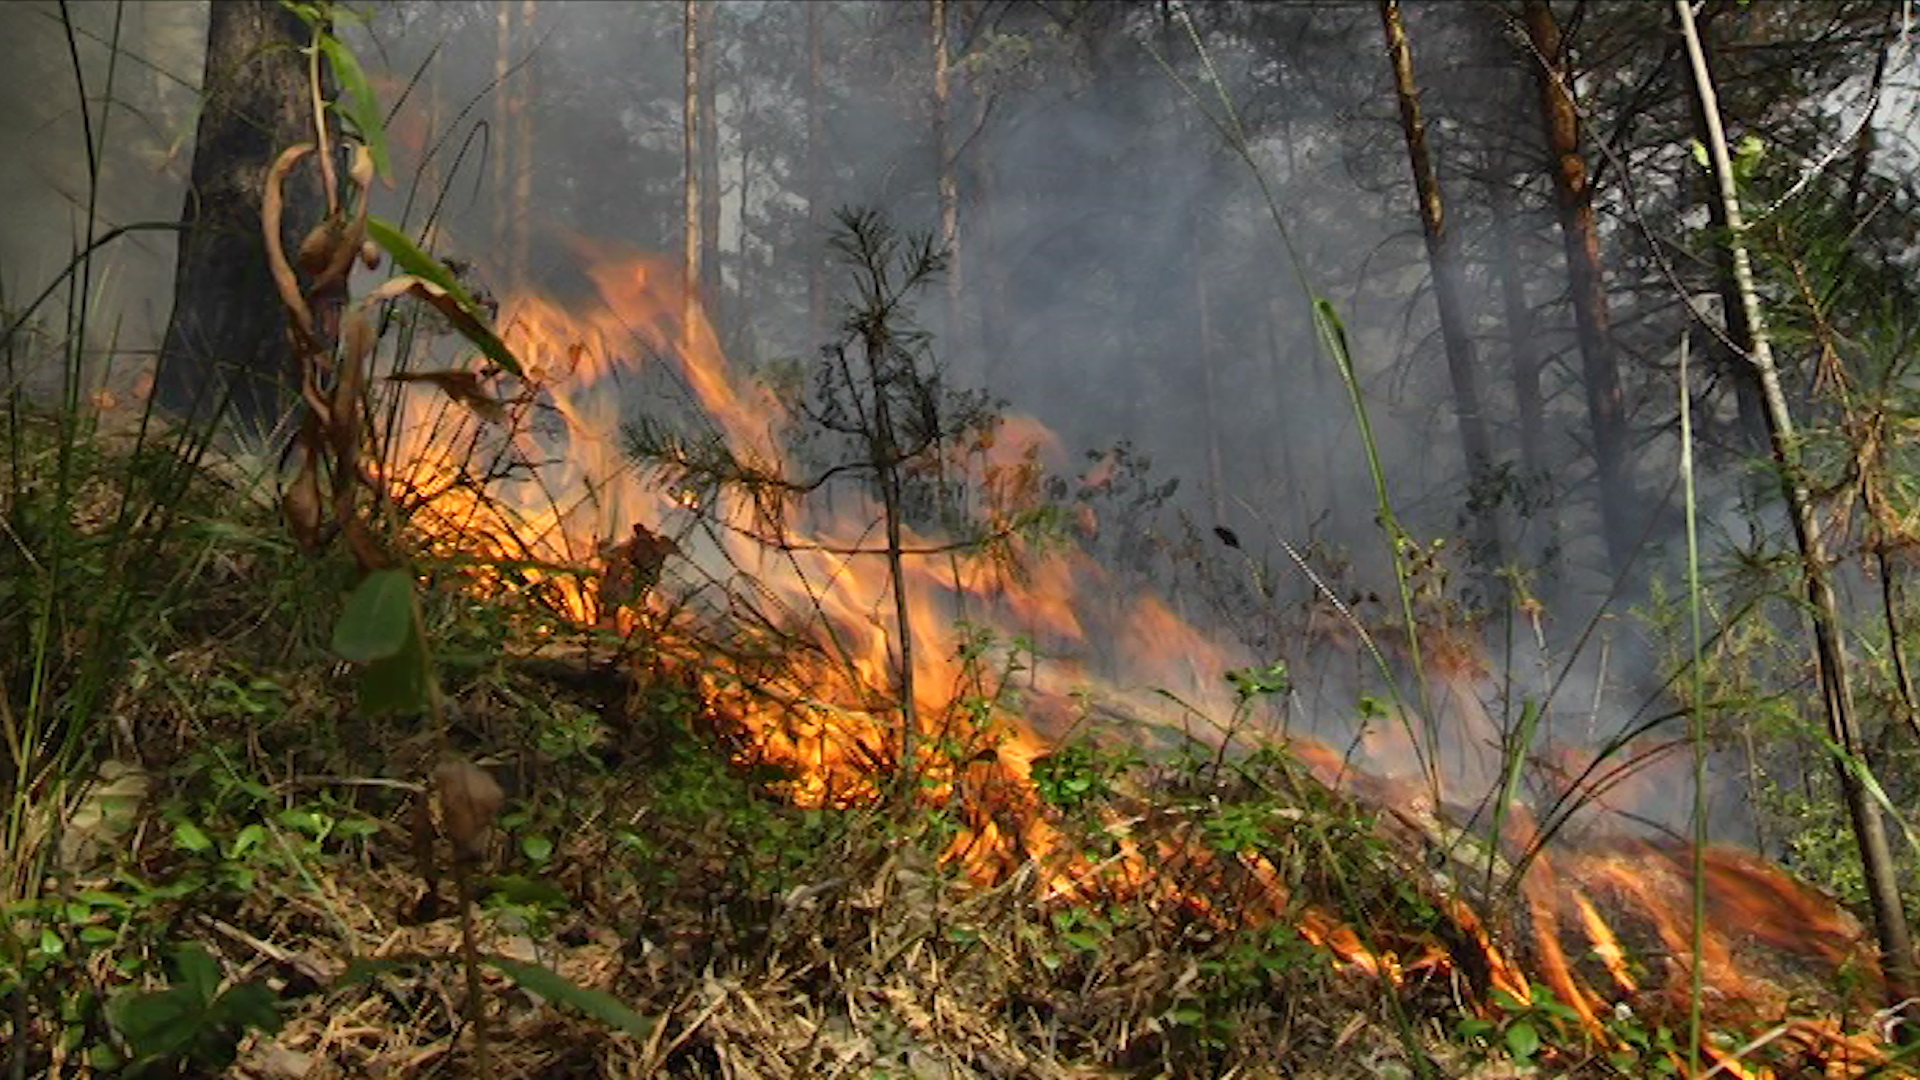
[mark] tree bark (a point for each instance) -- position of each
(502, 122)
(944, 160)
(816, 221)
(1869, 827)
(712, 284)
(523, 156)
(1729, 354)
(1606, 409)
(226, 338)
(690, 189)
(1443, 257)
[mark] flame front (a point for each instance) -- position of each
(790, 616)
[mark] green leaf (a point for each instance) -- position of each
(420, 264)
(189, 837)
(397, 683)
(597, 1004)
(536, 848)
(196, 971)
(360, 105)
(378, 618)
(1523, 1041)
(246, 840)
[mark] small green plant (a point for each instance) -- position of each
(1080, 774)
(1522, 1027)
(192, 1024)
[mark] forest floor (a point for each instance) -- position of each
(650, 900)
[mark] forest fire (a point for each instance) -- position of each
(789, 611)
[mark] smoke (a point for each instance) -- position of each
(1122, 277)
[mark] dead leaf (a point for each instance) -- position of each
(462, 386)
(469, 800)
(302, 505)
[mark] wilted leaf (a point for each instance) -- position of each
(321, 247)
(421, 265)
(469, 799)
(462, 386)
(302, 507)
(378, 618)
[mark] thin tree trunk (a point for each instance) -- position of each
(523, 156)
(228, 330)
(1443, 257)
(712, 299)
(1523, 350)
(949, 185)
(816, 198)
(1599, 369)
(1730, 354)
(690, 164)
(502, 123)
(1869, 828)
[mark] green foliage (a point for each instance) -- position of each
(1523, 1028)
(192, 1024)
(594, 1003)
(1080, 773)
(410, 258)
(378, 618)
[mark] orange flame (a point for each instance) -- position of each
(813, 671)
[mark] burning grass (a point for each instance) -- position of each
(692, 686)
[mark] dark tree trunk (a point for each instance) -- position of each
(1599, 369)
(1443, 256)
(226, 340)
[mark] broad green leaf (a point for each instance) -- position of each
(196, 971)
(597, 1004)
(378, 618)
(422, 265)
(1523, 1041)
(188, 837)
(537, 848)
(397, 683)
(360, 105)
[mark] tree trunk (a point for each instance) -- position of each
(1443, 256)
(816, 198)
(1729, 353)
(1869, 827)
(690, 146)
(522, 151)
(502, 124)
(227, 335)
(1606, 409)
(712, 300)
(945, 162)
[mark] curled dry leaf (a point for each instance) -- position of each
(272, 206)
(462, 386)
(366, 551)
(302, 505)
(318, 250)
(469, 801)
(361, 172)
